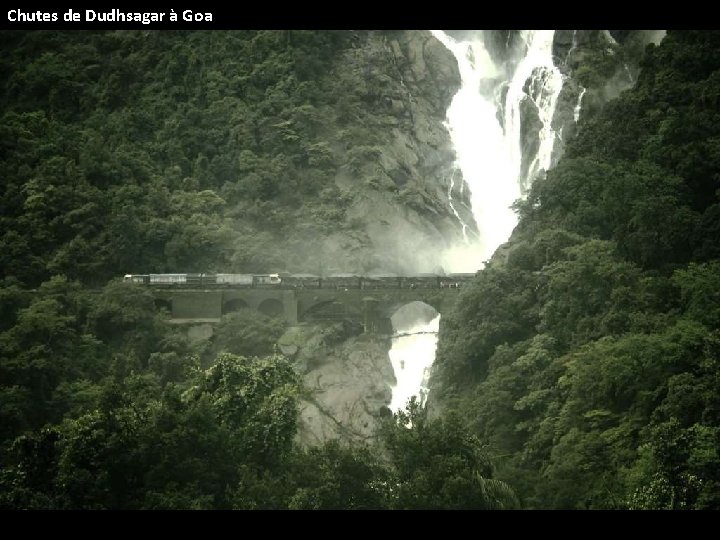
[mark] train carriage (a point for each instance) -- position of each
(422, 281)
(301, 281)
(137, 278)
(342, 281)
(456, 280)
(266, 280)
(238, 280)
(168, 280)
(382, 281)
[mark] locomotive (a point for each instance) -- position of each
(302, 281)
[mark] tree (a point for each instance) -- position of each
(247, 333)
(256, 400)
(439, 464)
(335, 477)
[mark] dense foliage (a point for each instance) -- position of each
(186, 151)
(589, 359)
(168, 151)
(580, 370)
(106, 406)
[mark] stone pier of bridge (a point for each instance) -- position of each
(372, 308)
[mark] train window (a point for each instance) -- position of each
(168, 278)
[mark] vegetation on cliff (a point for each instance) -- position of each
(588, 359)
(166, 151)
(580, 370)
(201, 151)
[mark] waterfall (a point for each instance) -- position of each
(452, 205)
(415, 327)
(578, 106)
(500, 122)
(412, 355)
(537, 79)
(573, 46)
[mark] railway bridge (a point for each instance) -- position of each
(372, 307)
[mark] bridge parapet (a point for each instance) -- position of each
(301, 305)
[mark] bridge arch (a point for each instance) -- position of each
(272, 307)
(413, 313)
(389, 309)
(236, 304)
(162, 303)
(330, 309)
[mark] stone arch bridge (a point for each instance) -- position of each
(372, 307)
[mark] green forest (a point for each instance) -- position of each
(588, 359)
(580, 370)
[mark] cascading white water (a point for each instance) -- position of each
(415, 327)
(489, 150)
(485, 120)
(538, 74)
(412, 355)
(451, 187)
(578, 106)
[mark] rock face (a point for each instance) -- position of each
(394, 160)
(399, 181)
(348, 380)
(598, 64)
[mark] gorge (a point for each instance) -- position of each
(519, 228)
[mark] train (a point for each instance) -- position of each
(301, 281)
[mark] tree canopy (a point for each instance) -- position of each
(586, 354)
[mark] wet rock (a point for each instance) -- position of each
(399, 189)
(348, 385)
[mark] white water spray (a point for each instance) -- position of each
(578, 106)
(452, 205)
(537, 79)
(486, 120)
(412, 355)
(490, 151)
